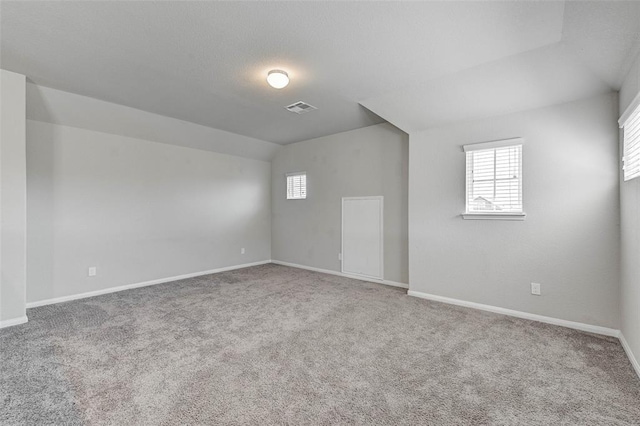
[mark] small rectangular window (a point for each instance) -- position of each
(297, 186)
(631, 145)
(494, 179)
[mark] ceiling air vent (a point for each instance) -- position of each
(300, 107)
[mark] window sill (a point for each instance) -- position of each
(493, 216)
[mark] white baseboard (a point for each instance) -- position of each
(519, 314)
(341, 274)
(13, 321)
(137, 285)
(630, 355)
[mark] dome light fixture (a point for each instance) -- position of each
(277, 79)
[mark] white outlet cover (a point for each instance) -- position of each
(242, 250)
(93, 271)
(535, 289)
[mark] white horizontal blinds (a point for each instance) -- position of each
(631, 144)
(296, 186)
(494, 179)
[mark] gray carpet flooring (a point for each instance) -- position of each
(275, 345)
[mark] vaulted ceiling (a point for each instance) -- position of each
(414, 64)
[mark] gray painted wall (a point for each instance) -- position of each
(630, 230)
(13, 193)
(569, 241)
(363, 162)
(137, 210)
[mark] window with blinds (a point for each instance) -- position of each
(631, 145)
(494, 177)
(296, 186)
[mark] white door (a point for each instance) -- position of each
(362, 240)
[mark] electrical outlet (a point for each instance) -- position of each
(93, 271)
(339, 256)
(242, 250)
(535, 289)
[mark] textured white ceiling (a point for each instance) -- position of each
(59, 107)
(206, 62)
(599, 42)
(545, 76)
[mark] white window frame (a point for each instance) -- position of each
(294, 174)
(492, 215)
(630, 123)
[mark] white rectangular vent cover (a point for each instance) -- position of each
(300, 107)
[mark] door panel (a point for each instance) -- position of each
(362, 239)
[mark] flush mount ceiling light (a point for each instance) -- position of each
(277, 79)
